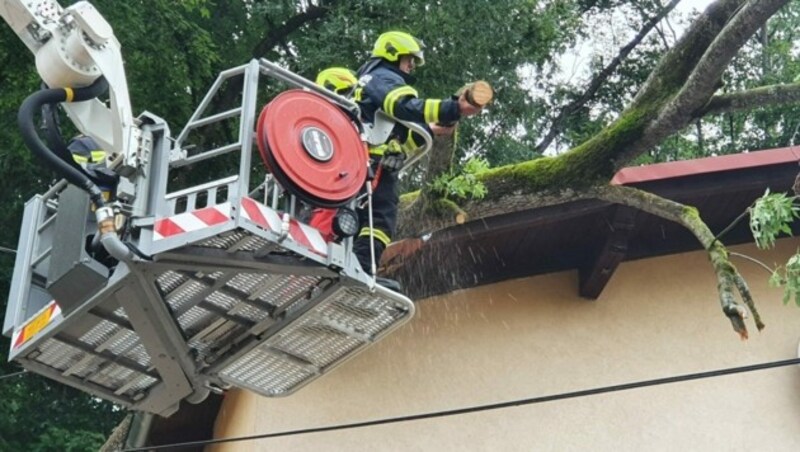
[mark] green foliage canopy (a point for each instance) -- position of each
(174, 50)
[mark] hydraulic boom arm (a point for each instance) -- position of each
(73, 48)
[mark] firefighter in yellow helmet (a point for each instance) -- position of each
(385, 83)
(340, 80)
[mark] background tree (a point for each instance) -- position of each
(168, 54)
(660, 86)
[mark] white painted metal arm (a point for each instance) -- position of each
(73, 48)
(33, 21)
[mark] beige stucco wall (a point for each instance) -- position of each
(533, 337)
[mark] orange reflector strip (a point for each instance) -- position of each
(35, 325)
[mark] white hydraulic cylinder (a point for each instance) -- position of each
(73, 48)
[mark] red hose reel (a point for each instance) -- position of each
(312, 148)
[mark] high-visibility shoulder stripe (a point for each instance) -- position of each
(378, 234)
(394, 95)
(70, 94)
(410, 144)
(98, 155)
(95, 156)
(432, 110)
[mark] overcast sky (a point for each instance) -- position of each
(688, 5)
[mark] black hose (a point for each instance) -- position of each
(25, 119)
(52, 134)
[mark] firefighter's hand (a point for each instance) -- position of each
(393, 161)
(439, 129)
(465, 108)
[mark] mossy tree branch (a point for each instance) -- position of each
(679, 90)
(707, 48)
(728, 277)
(682, 83)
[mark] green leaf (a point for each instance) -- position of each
(464, 185)
(770, 216)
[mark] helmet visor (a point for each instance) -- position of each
(419, 57)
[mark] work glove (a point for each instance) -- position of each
(393, 161)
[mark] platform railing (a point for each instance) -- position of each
(234, 303)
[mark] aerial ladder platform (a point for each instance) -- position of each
(184, 283)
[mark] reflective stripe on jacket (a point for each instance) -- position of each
(383, 85)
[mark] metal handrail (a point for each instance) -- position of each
(422, 150)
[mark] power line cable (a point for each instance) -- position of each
(7, 250)
(494, 406)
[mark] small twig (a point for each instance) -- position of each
(729, 227)
(754, 260)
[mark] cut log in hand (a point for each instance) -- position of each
(479, 94)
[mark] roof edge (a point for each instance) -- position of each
(694, 167)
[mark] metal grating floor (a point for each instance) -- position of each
(108, 355)
(334, 330)
(262, 330)
(214, 309)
